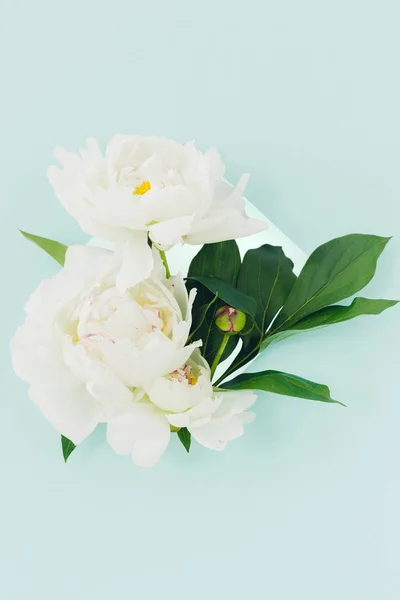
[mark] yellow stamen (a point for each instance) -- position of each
(185, 373)
(191, 378)
(142, 188)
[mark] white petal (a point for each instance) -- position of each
(204, 409)
(152, 441)
(246, 418)
(85, 263)
(234, 402)
(235, 198)
(233, 226)
(71, 410)
(158, 271)
(170, 232)
(172, 395)
(157, 357)
(176, 285)
(181, 329)
(121, 432)
(178, 420)
(137, 261)
(217, 432)
(144, 432)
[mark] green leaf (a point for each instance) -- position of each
(334, 271)
(331, 315)
(228, 293)
(67, 447)
(53, 248)
(220, 260)
(278, 337)
(266, 274)
(338, 313)
(198, 317)
(286, 384)
(185, 437)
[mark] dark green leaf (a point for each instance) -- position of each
(278, 382)
(198, 317)
(67, 447)
(185, 437)
(331, 315)
(53, 248)
(220, 260)
(334, 271)
(266, 275)
(228, 293)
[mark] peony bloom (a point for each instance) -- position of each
(86, 344)
(94, 352)
(150, 185)
(183, 398)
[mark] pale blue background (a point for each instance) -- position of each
(305, 95)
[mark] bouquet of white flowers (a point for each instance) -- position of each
(115, 337)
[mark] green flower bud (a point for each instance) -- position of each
(229, 320)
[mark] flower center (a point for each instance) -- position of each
(185, 373)
(141, 189)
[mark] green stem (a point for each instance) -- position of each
(165, 263)
(219, 354)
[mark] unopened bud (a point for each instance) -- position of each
(230, 320)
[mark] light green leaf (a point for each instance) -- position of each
(53, 248)
(338, 313)
(285, 384)
(67, 447)
(331, 315)
(228, 293)
(334, 271)
(185, 437)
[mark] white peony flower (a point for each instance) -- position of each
(183, 398)
(86, 344)
(150, 185)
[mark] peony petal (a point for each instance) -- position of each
(246, 418)
(216, 433)
(234, 402)
(121, 432)
(181, 329)
(84, 263)
(172, 395)
(204, 409)
(70, 409)
(157, 357)
(137, 261)
(170, 232)
(152, 441)
(178, 420)
(176, 285)
(233, 226)
(235, 198)
(144, 432)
